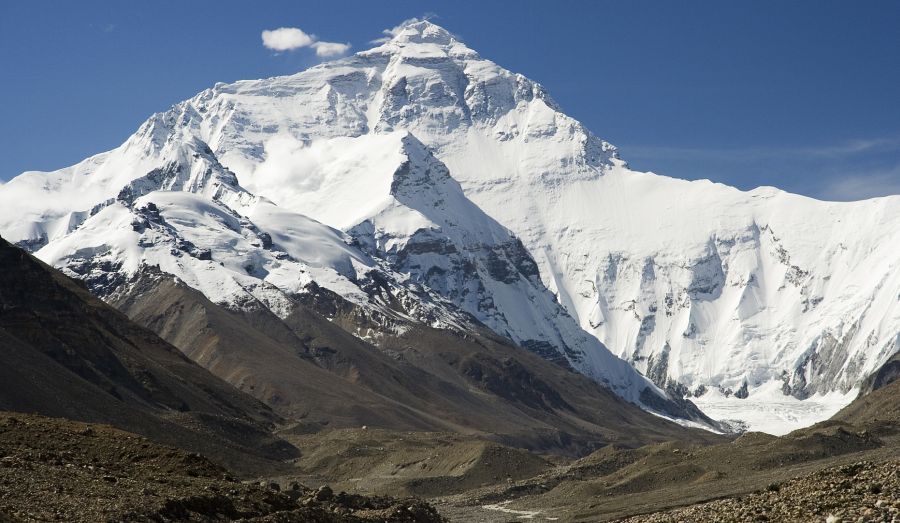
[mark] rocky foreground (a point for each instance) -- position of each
(863, 491)
(55, 470)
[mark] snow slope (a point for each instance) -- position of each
(191, 219)
(736, 298)
(243, 250)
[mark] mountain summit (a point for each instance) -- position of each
(423, 184)
(422, 32)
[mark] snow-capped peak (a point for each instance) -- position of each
(422, 32)
(456, 174)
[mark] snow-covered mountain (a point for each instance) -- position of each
(420, 166)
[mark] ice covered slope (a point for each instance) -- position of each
(240, 250)
(701, 286)
(444, 261)
(761, 294)
(401, 205)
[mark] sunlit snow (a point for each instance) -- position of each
(702, 287)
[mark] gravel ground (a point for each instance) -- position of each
(859, 492)
(56, 470)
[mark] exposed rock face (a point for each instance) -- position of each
(307, 365)
(887, 374)
(877, 405)
(472, 261)
(68, 354)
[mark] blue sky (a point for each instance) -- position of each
(803, 95)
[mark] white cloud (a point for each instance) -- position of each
(291, 38)
(286, 168)
(328, 49)
(286, 39)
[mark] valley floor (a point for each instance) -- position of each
(860, 491)
(83, 472)
(471, 479)
(59, 470)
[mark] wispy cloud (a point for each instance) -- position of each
(394, 31)
(838, 150)
(329, 49)
(293, 38)
(843, 171)
(104, 28)
(860, 186)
